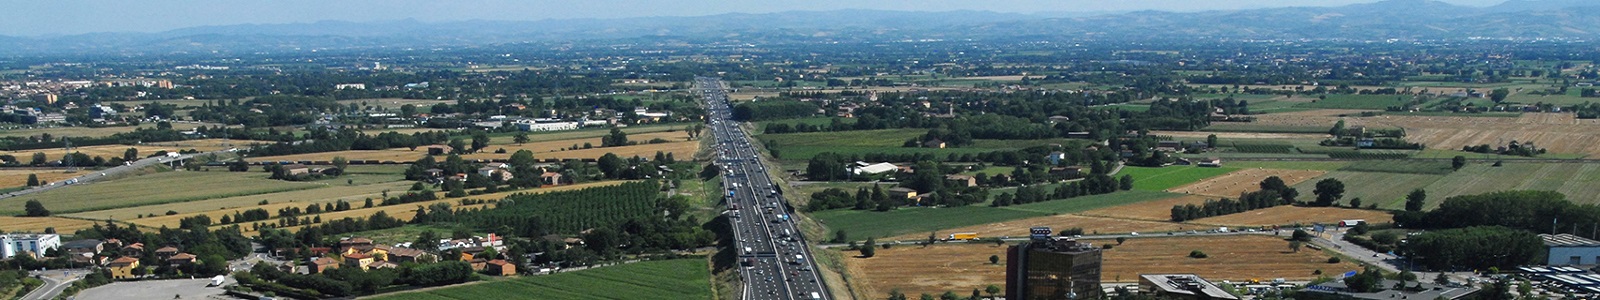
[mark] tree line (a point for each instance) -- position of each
(1273, 192)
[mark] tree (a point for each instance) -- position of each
(1294, 246)
(1367, 281)
(131, 154)
(949, 295)
(1337, 130)
(480, 140)
(994, 259)
(992, 290)
(895, 294)
(1457, 162)
(1126, 183)
(926, 296)
(1273, 184)
(840, 237)
(457, 146)
(339, 162)
(1121, 239)
(520, 138)
(1211, 141)
(870, 248)
(33, 179)
(1416, 200)
(1355, 202)
(39, 159)
(35, 209)
(408, 110)
(1300, 235)
(426, 241)
(615, 138)
(1499, 94)
(1328, 191)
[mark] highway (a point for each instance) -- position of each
(774, 258)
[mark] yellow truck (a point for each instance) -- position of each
(964, 236)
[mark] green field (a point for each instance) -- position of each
(802, 146)
(1408, 167)
(1579, 181)
(817, 121)
(1253, 127)
(668, 279)
(1161, 179)
(862, 224)
(1345, 101)
(158, 188)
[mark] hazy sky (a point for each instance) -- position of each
(56, 17)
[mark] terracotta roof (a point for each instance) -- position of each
(167, 249)
(357, 256)
(408, 252)
(499, 262)
(324, 261)
(139, 246)
(123, 261)
(182, 256)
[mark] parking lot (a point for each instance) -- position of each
(154, 289)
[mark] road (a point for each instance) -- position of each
(93, 175)
(54, 282)
(775, 259)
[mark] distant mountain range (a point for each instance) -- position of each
(1392, 19)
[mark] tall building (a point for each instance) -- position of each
(1052, 268)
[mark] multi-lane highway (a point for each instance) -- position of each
(774, 259)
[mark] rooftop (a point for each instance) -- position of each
(1429, 291)
(1188, 284)
(1567, 240)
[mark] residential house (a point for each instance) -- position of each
(878, 168)
(133, 250)
(478, 264)
(501, 267)
(962, 180)
(401, 255)
(1169, 146)
(181, 259)
(358, 260)
(433, 173)
(296, 169)
(550, 178)
(1059, 119)
(489, 172)
(383, 265)
(902, 192)
(1055, 157)
(166, 252)
(320, 264)
(123, 267)
(83, 251)
(934, 143)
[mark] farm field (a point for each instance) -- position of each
(1157, 210)
(158, 188)
(1247, 180)
(1201, 135)
(963, 266)
(1556, 132)
(863, 224)
(155, 216)
(1347, 101)
(802, 146)
(665, 279)
(1162, 179)
(1263, 128)
(1019, 228)
(682, 150)
(1579, 181)
(1290, 165)
(38, 224)
(409, 210)
(19, 177)
(87, 131)
(109, 151)
(1286, 215)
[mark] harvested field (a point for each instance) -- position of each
(541, 150)
(37, 225)
(216, 208)
(1201, 135)
(1557, 132)
(88, 132)
(397, 154)
(19, 177)
(1090, 225)
(678, 149)
(961, 267)
(1159, 210)
(566, 145)
(1285, 215)
(1247, 180)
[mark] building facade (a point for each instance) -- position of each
(32, 244)
(1052, 268)
(1570, 250)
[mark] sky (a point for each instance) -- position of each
(66, 17)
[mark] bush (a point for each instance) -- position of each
(1107, 246)
(1197, 254)
(1333, 260)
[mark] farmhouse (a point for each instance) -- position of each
(1182, 286)
(935, 143)
(906, 192)
(166, 252)
(1211, 162)
(358, 260)
(296, 169)
(321, 264)
(962, 180)
(501, 267)
(550, 178)
(133, 250)
(1567, 249)
(181, 259)
(123, 267)
(439, 149)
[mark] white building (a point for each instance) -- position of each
(864, 168)
(353, 86)
(533, 126)
(37, 244)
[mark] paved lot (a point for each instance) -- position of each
(154, 289)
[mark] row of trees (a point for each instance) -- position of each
(1092, 185)
(1273, 193)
